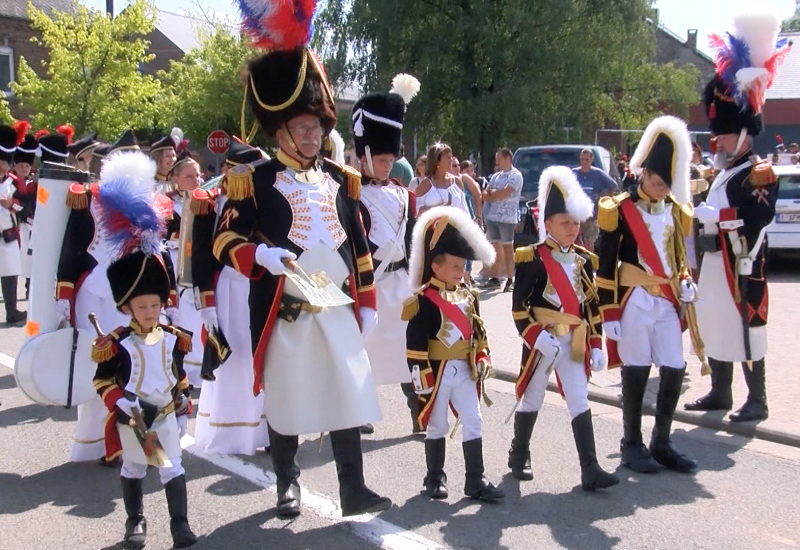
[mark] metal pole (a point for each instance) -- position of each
(110, 8)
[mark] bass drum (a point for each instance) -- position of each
(48, 383)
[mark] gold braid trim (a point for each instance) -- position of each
(353, 177)
(523, 254)
(594, 258)
(200, 207)
(608, 212)
(239, 182)
(104, 348)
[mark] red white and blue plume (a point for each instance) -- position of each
(278, 24)
(748, 57)
(129, 218)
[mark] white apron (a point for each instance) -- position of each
(9, 252)
(151, 380)
(25, 254)
(718, 317)
(230, 420)
(317, 376)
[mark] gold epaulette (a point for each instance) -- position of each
(762, 174)
(184, 338)
(239, 182)
(684, 216)
(608, 212)
(353, 177)
(105, 347)
(524, 254)
(77, 197)
(200, 204)
(410, 308)
(594, 258)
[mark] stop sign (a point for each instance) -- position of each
(218, 142)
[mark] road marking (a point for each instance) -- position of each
(374, 530)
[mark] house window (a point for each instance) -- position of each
(6, 70)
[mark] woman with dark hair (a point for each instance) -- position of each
(440, 186)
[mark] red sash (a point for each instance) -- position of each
(451, 311)
(647, 247)
(564, 289)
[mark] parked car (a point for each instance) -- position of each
(532, 161)
(784, 231)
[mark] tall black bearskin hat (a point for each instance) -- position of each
(445, 230)
(133, 226)
(560, 193)
(288, 80)
(26, 150)
(8, 143)
(377, 118)
(184, 158)
(55, 147)
(126, 142)
(86, 143)
(241, 153)
(746, 59)
(666, 149)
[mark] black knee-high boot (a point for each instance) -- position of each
(720, 397)
(435, 480)
(634, 454)
(519, 456)
(283, 450)
(669, 391)
(355, 496)
(412, 400)
(135, 525)
(593, 477)
(182, 536)
(9, 290)
(755, 408)
(475, 484)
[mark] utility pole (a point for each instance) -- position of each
(110, 8)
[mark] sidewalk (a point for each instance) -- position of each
(783, 390)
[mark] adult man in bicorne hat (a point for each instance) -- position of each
(732, 312)
(310, 361)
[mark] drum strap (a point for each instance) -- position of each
(72, 366)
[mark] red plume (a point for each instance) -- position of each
(779, 138)
(21, 127)
(41, 134)
(182, 146)
(68, 131)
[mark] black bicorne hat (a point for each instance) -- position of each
(162, 145)
(126, 142)
(77, 148)
(241, 153)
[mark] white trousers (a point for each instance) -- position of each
(459, 389)
(572, 375)
(136, 470)
(651, 332)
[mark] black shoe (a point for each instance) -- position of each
(355, 496)
(519, 455)
(509, 285)
(475, 484)
(755, 408)
(113, 463)
(493, 282)
(367, 429)
(288, 506)
(720, 397)
(182, 536)
(593, 477)
(636, 457)
(16, 317)
(135, 524)
(435, 480)
(662, 451)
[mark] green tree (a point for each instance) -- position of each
(507, 72)
(792, 24)
(93, 79)
(203, 91)
(5, 111)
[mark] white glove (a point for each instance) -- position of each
(598, 360)
(688, 291)
(547, 344)
(271, 257)
(183, 423)
(613, 330)
(706, 214)
(62, 311)
(173, 316)
(369, 320)
(126, 405)
(209, 317)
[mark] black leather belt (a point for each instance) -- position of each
(394, 266)
(707, 243)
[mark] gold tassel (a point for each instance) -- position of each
(103, 350)
(200, 206)
(238, 183)
(77, 199)
(523, 254)
(607, 212)
(685, 217)
(353, 182)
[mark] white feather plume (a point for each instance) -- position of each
(462, 221)
(758, 27)
(406, 86)
(577, 202)
(337, 153)
(676, 130)
(133, 166)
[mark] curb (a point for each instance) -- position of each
(707, 420)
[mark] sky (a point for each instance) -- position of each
(707, 16)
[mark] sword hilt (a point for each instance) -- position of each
(96, 325)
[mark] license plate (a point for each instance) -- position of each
(788, 218)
